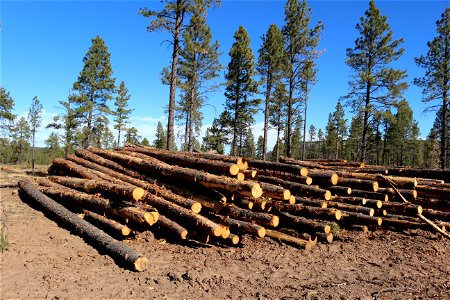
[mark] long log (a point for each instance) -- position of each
(287, 176)
(351, 208)
(193, 162)
(184, 216)
(99, 239)
(298, 188)
(306, 211)
(359, 184)
(276, 166)
(150, 187)
(106, 224)
(372, 203)
(436, 214)
(370, 195)
(311, 202)
(173, 228)
(422, 173)
(261, 218)
(441, 193)
(303, 224)
(70, 168)
(304, 244)
(325, 237)
(407, 209)
(302, 163)
(401, 182)
(351, 218)
(101, 205)
(325, 178)
(302, 235)
(340, 190)
(408, 194)
(394, 221)
(240, 226)
(275, 192)
(246, 188)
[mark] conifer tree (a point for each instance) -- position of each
(95, 87)
(260, 147)
(331, 139)
(145, 142)
(240, 87)
(199, 65)
(34, 118)
(216, 135)
(132, 136)
(296, 139)
(20, 141)
(6, 107)
(122, 113)
(53, 148)
(436, 80)
(300, 44)
(277, 115)
(312, 146)
(340, 124)
(320, 138)
(374, 85)
(161, 137)
(271, 64)
(353, 145)
(249, 144)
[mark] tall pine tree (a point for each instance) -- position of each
(374, 85)
(436, 81)
(6, 107)
(34, 118)
(277, 115)
(240, 87)
(161, 137)
(95, 87)
(122, 112)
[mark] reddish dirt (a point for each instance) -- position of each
(46, 261)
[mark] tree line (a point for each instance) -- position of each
(277, 82)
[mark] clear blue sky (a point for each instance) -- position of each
(43, 44)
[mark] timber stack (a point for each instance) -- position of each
(108, 195)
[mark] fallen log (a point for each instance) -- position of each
(302, 224)
(275, 192)
(69, 168)
(304, 244)
(406, 209)
(288, 177)
(250, 216)
(325, 237)
(298, 188)
(362, 228)
(395, 222)
(351, 218)
(302, 163)
(246, 188)
(106, 224)
(370, 195)
(311, 202)
(99, 239)
(351, 208)
(306, 211)
(324, 178)
(439, 174)
(276, 166)
(408, 194)
(441, 193)
(401, 182)
(340, 190)
(372, 203)
(302, 235)
(359, 184)
(436, 214)
(241, 227)
(173, 228)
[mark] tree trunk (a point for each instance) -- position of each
(304, 123)
(365, 124)
(114, 227)
(97, 238)
(306, 211)
(276, 235)
(304, 224)
(240, 226)
(444, 131)
(32, 150)
(297, 188)
(250, 216)
(266, 114)
(172, 228)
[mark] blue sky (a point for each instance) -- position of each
(43, 44)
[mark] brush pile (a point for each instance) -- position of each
(107, 194)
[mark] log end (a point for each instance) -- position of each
(287, 195)
(196, 207)
(327, 195)
(414, 194)
(240, 176)
(138, 193)
(327, 229)
(303, 171)
(141, 264)
(257, 190)
(338, 215)
(151, 217)
(234, 239)
(308, 246)
(419, 209)
(291, 199)
(334, 178)
(274, 221)
(234, 169)
(379, 204)
(261, 232)
(218, 230)
(329, 238)
(349, 191)
(125, 231)
(371, 212)
(375, 186)
(308, 180)
(324, 205)
(225, 232)
(379, 221)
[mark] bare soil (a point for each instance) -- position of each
(46, 261)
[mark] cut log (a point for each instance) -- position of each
(250, 216)
(173, 228)
(302, 163)
(340, 190)
(351, 218)
(302, 224)
(275, 192)
(275, 166)
(106, 224)
(303, 235)
(288, 177)
(188, 161)
(395, 222)
(306, 211)
(370, 195)
(150, 187)
(101, 205)
(119, 192)
(436, 214)
(99, 239)
(436, 192)
(69, 168)
(325, 237)
(304, 244)
(298, 188)
(401, 182)
(240, 227)
(359, 184)
(311, 202)
(246, 188)
(422, 173)
(408, 194)
(406, 209)
(362, 228)
(250, 174)
(240, 176)
(372, 203)
(245, 203)
(351, 208)
(184, 216)
(348, 199)
(324, 178)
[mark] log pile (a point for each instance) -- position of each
(203, 197)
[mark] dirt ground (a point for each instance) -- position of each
(46, 261)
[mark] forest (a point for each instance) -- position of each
(277, 81)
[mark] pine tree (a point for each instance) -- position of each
(271, 64)
(68, 122)
(240, 87)
(20, 141)
(331, 139)
(277, 115)
(34, 118)
(374, 84)
(53, 148)
(122, 113)
(145, 142)
(132, 136)
(216, 135)
(249, 144)
(436, 81)
(300, 44)
(312, 146)
(296, 139)
(6, 107)
(95, 86)
(260, 147)
(199, 65)
(353, 145)
(320, 138)
(161, 137)
(341, 128)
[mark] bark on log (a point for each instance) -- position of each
(173, 228)
(311, 202)
(275, 166)
(8, 185)
(304, 244)
(118, 192)
(289, 177)
(351, 208)
(302, 235)
(362, 228)
(441, 193)
(394, 221)
(302, 163)
(408, 194)
(401, 182)
(155, 189)
(240, 227)
(407, 209)
(370, 195)
(372, 203)
(101, 205)
(99, 239)
(245, 188)
(351, 218)
(303, 224)
(298, 188)
(348, 199)
(422, 173)
(275, 192)
(306, 211)
(250, 216)
(324, 178)
(358, 184)
(106, 224)
(325, 237)
(184, 216)
(70, 168)
(340, 190)
(436, 214)
(188, 161)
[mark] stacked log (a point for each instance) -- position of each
(218, 198)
